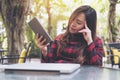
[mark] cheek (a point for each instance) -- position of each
(81, 27)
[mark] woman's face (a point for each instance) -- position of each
(77, 24)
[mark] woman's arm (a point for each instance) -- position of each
(40, 43)
(51, 53)
(94, 52)
(50, 50)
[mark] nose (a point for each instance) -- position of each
(74, 24)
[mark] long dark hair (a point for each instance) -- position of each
(91, 19)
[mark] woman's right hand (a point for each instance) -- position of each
(41, 44)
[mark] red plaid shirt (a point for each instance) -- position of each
(94, 53)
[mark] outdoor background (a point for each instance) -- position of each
(15, 32)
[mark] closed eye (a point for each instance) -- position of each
(78, 21)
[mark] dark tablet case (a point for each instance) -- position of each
(37, 28)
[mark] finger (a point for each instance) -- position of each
(84, 33)
(39, 39)
(83, 30)
(37, 36)
(43, 42)
(86, 25)
(47, 44)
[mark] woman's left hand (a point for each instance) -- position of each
(87, 34)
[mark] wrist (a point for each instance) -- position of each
(44, 51)
(90, 41)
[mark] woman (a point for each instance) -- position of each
(79, 44)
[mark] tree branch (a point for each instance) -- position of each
(118, 2)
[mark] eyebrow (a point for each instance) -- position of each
(79, 20)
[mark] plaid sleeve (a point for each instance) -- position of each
(51, 52)
(95, 52)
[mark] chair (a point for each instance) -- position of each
(2, 52)
(24, 54)
(20, 58)
(114, 53)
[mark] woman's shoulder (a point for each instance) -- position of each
(58, 37)
(98, 40)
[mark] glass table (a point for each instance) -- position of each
(83, 73)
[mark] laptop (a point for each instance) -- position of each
(54, 67)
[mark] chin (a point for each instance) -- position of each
(73, 32)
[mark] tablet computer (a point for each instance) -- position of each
(38, 28)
